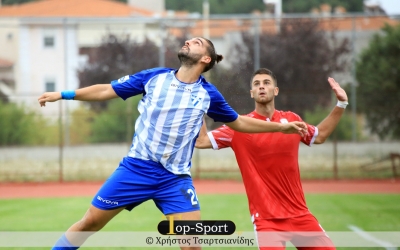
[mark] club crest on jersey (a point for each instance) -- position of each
(123, 79)
(195, 100)
(284, 120)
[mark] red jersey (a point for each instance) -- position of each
(269, 166)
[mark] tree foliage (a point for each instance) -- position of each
(117, 122)
(19, 126)
(302, 56)
(11, 2)
(217, 6)
(343, 133)
(248, 6)
(296, 6)
(378, 76)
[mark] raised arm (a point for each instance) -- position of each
(326, 127)
(203, 141)
(250, 125)
(98, 92)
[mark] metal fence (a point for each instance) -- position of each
(96, 162)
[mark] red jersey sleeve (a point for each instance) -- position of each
(312, 132)
(310, 137)
(221, 137)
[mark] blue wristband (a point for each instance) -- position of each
(68, 94)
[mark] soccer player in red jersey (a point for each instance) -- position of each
(270, 171)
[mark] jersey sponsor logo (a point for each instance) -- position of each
(123, 79)
(174, 85)
(107, 201)
(284, 120)
(195, 99)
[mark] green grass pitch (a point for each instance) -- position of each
(371, 212)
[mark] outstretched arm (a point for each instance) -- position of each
(250, 125)
(203, 141)
(326, 127)
(98, 92)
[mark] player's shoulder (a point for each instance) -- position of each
(252, 114)
(159, 70)
(203, 81)
(209, 87)
(148, 74)
(289, 115)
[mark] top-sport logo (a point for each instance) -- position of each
(107, 201)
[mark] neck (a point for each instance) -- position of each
(266, 109)
(188, 74)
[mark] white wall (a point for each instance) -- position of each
(9, 37)
(157, 6)
(38, 64)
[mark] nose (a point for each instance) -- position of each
(187, 42)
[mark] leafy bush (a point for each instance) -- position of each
(21, 126)
(81, 125)
(116, 123)
(344, 128)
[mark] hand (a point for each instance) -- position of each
(49, 97)
(295, 128)
(339, 92)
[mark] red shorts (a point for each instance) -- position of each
(304, 232)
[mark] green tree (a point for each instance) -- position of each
(343, 133)
(11, 2)
(217, 6)
(20, 126)
(241, 6)
(378, 76)
(116, 123)
(81, 125)
(296, 6)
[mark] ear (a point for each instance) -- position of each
(251, 93)
(206, 59)
(276, 91)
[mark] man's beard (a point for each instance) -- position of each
(188, 59)
(264, 101)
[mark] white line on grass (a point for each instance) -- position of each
(369, 237)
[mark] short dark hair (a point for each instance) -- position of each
(214, 56)
(263, 71)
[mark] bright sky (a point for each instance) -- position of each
(391, 7)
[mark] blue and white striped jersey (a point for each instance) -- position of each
(171, 115)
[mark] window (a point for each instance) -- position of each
(49, 37)
(50, 86)
(48, 41)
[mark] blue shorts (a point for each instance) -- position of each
(136, 181)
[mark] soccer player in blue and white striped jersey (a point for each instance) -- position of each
(157, 166)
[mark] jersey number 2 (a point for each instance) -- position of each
(193, 198)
